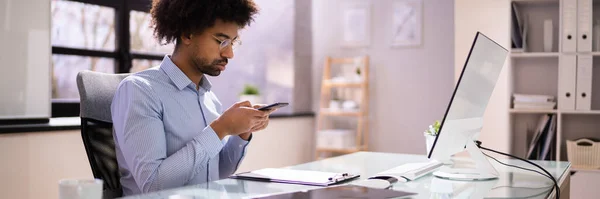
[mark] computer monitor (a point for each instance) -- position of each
(464, 115)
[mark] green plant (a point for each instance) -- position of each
(358, 70)
(433, 129)
(250, 90)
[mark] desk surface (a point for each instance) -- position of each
(512, 183)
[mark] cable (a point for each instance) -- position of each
(548, 173)
(518, 167)
(512, 156)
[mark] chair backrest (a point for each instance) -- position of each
(96, 91)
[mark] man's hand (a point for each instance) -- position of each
(264, 123)
(238, 119)
(260, 126)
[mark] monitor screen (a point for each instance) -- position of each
(464, 116)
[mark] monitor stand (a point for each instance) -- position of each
(483, 168)
(461, 189)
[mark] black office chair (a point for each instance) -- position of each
(96, 91)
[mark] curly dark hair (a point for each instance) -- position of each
(172, 18)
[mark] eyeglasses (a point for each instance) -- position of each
(224, 43)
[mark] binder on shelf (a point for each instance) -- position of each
(517, 28)
(569, 25)
(584, 82)
(292, 176)
(538, 142)
(567, 71)
(548, 138)
(548, 35)
(584, 25)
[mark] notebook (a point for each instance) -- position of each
(344, 191)
(305, 177)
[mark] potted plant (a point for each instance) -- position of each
(431, 133)
(251, 94)
(357, 77)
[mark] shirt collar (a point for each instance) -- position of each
(205, 83)
(178, 77)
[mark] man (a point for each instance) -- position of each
(170, 130)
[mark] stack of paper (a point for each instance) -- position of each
(523, 101)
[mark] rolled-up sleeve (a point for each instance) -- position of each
(139, 132)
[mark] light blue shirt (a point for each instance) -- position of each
(162, 134)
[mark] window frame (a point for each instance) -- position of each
(122, 53)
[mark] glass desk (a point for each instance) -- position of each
(512, 183)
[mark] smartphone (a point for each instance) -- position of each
(273, 106)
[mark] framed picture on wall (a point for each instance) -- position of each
(407, 23)
(356, 22)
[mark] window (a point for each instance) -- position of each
(115, 36)
(265, 59)
(142, 37)
(65, 69)
(111, 36)
(79, 25)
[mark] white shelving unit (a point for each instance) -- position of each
(540, 111)
(559, 73)
(535, 55)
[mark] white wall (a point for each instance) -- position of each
(32, 163)
(285, 142)
(584, 185)
(492, 18)
(24, 59)
(409, 87)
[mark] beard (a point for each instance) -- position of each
(209, 68)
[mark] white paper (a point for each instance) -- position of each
(296, 175)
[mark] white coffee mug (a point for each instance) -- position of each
(80, 189)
